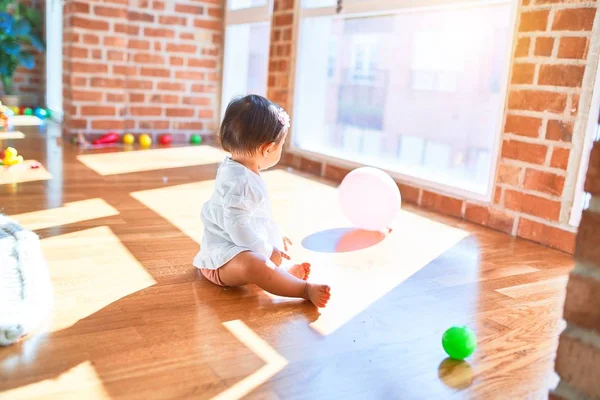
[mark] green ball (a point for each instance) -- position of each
(196, 139)
(459, 342)
(28, 111)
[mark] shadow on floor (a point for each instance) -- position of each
(342, 240)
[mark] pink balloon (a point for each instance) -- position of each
(370, 198)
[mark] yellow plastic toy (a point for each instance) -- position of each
(11, 157)
(128, 138)
(145, 140)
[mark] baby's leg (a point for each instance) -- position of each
(250, 267)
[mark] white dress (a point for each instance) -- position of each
(237, 218)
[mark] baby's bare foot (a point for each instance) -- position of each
(300, 271)
(317, 294)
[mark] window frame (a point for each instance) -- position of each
(374, 8)
(243, 16)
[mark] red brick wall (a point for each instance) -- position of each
(545, 121)
(578, 354)
(142, 65)
(31, 84)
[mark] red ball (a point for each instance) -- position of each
(165, 139)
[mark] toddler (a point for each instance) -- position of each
(241, 242)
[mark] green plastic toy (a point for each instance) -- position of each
(195, 139)
(459, 342)
(28, 111)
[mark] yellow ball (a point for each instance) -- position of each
(13, 161)
(128, 138)
(10, 152)
(145, 140)
(15, 110)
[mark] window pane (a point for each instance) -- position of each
(246, 60)
(239, 4)
(414, 92)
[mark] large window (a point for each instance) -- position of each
(415, 91)
(246, 60)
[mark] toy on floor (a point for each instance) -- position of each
(165, 139)
(41, 113)
(11, 157)
(15, 110)
(145, 140)
(27, 111)
(195, 139)
(128, 138)
(459, 342)
(108, 138)
(370, 199)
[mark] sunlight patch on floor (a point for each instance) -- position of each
(303, 206)
(90, 269)
(152, 159)
(274, 362)
(23, 173)
(70, 213)
(81, 378)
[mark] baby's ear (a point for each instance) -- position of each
(267, 148)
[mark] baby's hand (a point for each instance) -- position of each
(278, 256)
(286, 242)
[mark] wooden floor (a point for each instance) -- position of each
(132, 319)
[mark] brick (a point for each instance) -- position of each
(161, 72)
(592, 180)
(524, 126)
(115, 41)
(78, 123)
(76, 7)
(138, 84)
(202, 63)
(139, 44)
(114, 55)
(165, 99)
(190, 75)
(146, 111)
(543, 46)
(90, 24)
(498, 191)
(137, 97)
(508, 174)
(148, 58)
(80, 95)
(547, 235)
(574, 105)
(206, 114)
(532, 21)
(211, 25)
(522, 73)
(176, 61)
(441, 203)
(110, 12)
(111, 83)
(561, 75)
(195, 126)
(181, 48)
(97, 110)
(573, 47)
(532, 205)
(215, 12)
(189, 9)
(159, 32)
(76, 52)
(477, 214)
(89, 38)
(582, 304)
(310, 166)
(171, 86)
(123, 70)
(180, 112)
(158, 5)
(88, 68)
(545, 182)
(172, 20)
(138, 16)
(335, 173)
(501, 221)
(560, 158)
(115, 97)
(559, 130)
(574, 19)
(527, 152)
(577, 364)
(109, 125)
(588, 239)
(537, 100)
(187, 36)
(129, 29)
(197, 101)
(283, 19)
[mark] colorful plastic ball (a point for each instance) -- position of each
(165, 139)
(15, 110)
(459, 342)
(41, 113)
(195, 139)
(28, 111)
(145, 140)
(128, 138)
(370, 199)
